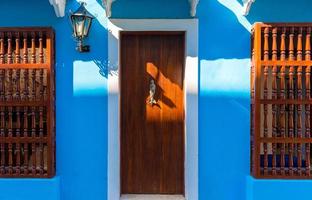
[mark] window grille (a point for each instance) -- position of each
(281, 101)
(27, 125)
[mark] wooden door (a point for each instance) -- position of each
(152, 134)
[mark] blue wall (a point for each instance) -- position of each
(81, 103)
(81, 106)
(151, 9)
(224, 54)
(224, 101)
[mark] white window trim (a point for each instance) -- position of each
(190, 26)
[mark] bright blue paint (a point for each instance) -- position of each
(35, 189)
(285, 11)
(151, 9)
(224, 39)
(224, 101)
(81, 102)
(222, 174)
(278, 189)
(81, 114)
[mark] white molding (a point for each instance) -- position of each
(193, 5)
(190, 26)
(108, 7)
(247, 6)
(59, 7)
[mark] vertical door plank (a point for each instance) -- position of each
(152, 136)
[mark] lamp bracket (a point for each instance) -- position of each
(83, 48)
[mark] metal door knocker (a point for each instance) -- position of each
(152, 92)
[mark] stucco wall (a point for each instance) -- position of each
(224, 54)
(81, 106)
(150, 9)
(81, 102)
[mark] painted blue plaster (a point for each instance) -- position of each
(36, 189)
(224, 103)
(278, 189)
(82, 110)
(92, 81)
(81, 98)
(81, 107)
(138, 9)
(225, 75)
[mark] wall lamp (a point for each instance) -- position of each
(81, 21)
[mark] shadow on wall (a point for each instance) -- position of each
(81, 100)
(149, 9)
(81, 103)
(225, 92)
(281, 11)
(224, 48)
(223, 30)
(224, 54)
(87, 75)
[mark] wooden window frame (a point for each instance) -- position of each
(281, 51)
(27, 50)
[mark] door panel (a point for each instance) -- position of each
(152, 136)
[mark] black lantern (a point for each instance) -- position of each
(81, 21)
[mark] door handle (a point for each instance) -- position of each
(152, 92)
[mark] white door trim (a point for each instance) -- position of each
(190, 26)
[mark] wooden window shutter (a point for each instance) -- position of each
(281, 101)
(27, 114)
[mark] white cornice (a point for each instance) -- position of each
(59, 7)
(108, 7)
(247, 6)
(193, 5)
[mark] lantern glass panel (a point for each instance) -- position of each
(78, 25)
(87, 25)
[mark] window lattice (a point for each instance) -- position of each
(26, 102)
(281, 101)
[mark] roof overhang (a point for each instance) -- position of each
(108, 7)
(247, 6)
(59, 7)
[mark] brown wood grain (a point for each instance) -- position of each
(152, 136)
(27, 89)
(281, 100)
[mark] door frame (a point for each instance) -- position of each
(190, 27)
